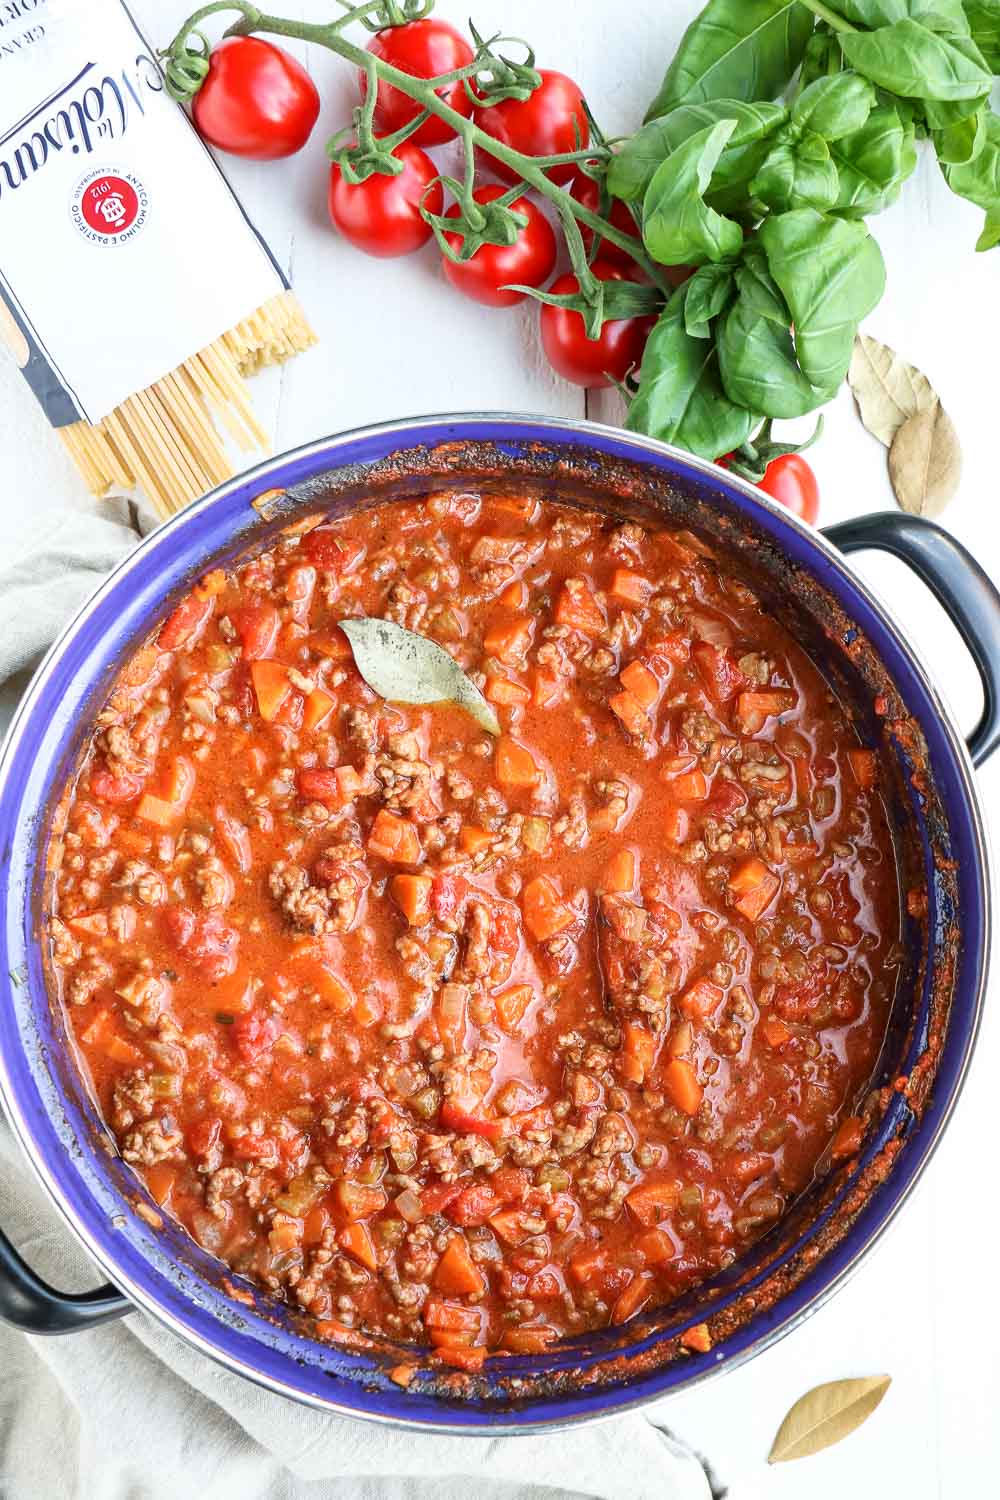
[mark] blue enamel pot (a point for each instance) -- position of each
(927, 774)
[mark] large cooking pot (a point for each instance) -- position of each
(927, 774)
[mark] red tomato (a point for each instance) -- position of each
(591, 362)
(530, 260)
(256, 101)
(381, 215)
(791, 482)
(548, 123)
(586, 191)
(425, 49)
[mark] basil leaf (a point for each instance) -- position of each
(947, 15)
(681, 399)
(632, 168)
(984, 24)
(678, 226)
(990, 237)
(708, 292)
(404, 667)
(910, 59)
(735, 49)
(979, 180)
(834, 107)
(942, 114)
(757, 357)
(831, 274)
(873, 163)
(822, 58)
(798, 173)
(759, 290)
(961, 143)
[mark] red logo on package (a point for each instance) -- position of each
(110, 207)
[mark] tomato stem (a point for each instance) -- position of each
(531, 170)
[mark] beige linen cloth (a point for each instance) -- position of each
(129, 1411)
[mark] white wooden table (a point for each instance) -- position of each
(396, 341)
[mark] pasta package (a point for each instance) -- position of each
(135, 294)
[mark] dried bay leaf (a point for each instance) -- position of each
(887, 389)
(404, 667)
(826, 1415)
(925, 462)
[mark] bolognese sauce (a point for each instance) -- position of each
(477, 1040)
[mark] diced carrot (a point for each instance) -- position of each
(315, 1225)
(638, 1053)
(549, 689)
(160, 1179)
(450, 1013)
(506, 694)
(212, 584)
(643, 684)
(690, 786)
(631, 588)
(631, 713)
(754, 708)
(93, 924)
(356, 1240)
(457, 1274)
(412, 894)
(754, 886)
(367, 1009)
(682, 1086)
(331, 1328)
(471, 1360)
(465, 1116)
(180, 779)
(474, 840)
(271, 685)
(532, 1340)
(451, 1317)
(775, 1032)
(158, 811)
(511, 1006)
(402, 1375)
(619, 872)
(634, 1298)
(515, 764)
(545, 912)
(515, 595)
(509, 1225)
(655, 1247)
(673, 825)
(697, 1339)
(865, 768)
(586, 1266)
(652, 1201)
(847, 1141)
(358, 1200)
(700, 999)
(509, 641)
(318, 706)
(350, 785)
(394, 839)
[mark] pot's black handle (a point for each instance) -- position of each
(29, 1303)
(958, 582)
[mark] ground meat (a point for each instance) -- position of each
(476, 958)
(572, 826)
(360, 727)
(215, 883)
(406, 780)
(222, 1185)
(132, 1099)
(65, 948)
(306, 906)
(154, 1141)
(87, 981)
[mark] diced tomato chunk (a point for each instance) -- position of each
(436, 1196)
(701, 999)
(180, 628)
(578, 608)
(717, 670)
(753, 887)
(509, 640)
(254, 1034)
(257, 626)
(629, 587)
(119, 786)
(472, 1205)
(330, 552)
(448, 892)
(865, 768)
(358, 1200)
(507, 694)
(775, 1032)
(469, 1120)
(726, 798)
(205, 940)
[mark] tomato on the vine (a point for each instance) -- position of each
(586, 191)
(550, 122)
(256, 100)
(381, 215)
(424, 49)
(530, 260)
(791, 481)
(592, 362)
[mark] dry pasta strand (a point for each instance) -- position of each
(166, 440)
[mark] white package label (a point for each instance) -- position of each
(123, 251)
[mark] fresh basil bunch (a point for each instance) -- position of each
(762, 184)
